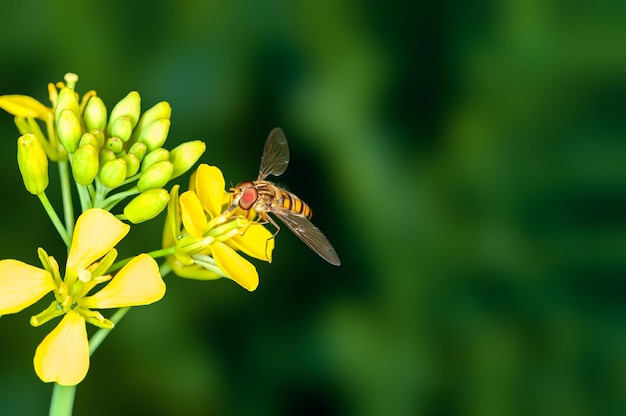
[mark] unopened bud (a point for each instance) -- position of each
(89, 138)
(154, 156)
(156, 112)
(115, 144)
(146, 205)
(95, 114)
(156, 175)
(100, 136)
(185, 155)
(113, 173)
(66, 100)
(155, 133)
(106, 155)
(132, 164)
(85, 164)
(33, 163)
(68, 130)
(129, 106)
(122, 127)
(138, 149)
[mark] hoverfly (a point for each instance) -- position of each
(265, 197)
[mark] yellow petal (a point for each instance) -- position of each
(210, 188)
(97, 232)
(24, 106)
(63, 355)
(256, 242)
(21, 285)
(234, 266)
(137, 283)
(192, 214)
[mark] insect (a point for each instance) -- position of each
(265, 197)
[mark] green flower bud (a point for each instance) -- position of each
(185, 155)
(100, 136)
(89, 138)
(156, 155)
(155, 133)
(66, 100)
(85, 164)
(33, 163)
(69, 130)
(113, 173)
(95, 114)
(156, 175)
(132, 164)
(158, 111)
(115, 144)
(146, 205)
(106, 155)
(129, 106)
(121, 127)
(138, 149)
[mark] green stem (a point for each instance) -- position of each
(154, 254)
(102, 333)
(111, 201)
(55, 218)
(66, 193)
(62, 400)
(84, 196)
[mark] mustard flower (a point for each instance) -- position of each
(63, 355)
(207, 238)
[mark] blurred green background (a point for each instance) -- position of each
(466, 159)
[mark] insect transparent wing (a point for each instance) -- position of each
(275, 154)
(309, 234)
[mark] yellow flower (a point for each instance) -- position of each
(63, 356)
(206, 239)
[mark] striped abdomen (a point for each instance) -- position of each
(294, 204)
(271, 196)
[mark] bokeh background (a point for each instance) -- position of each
(466, 159)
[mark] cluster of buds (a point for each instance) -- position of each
(112, 156)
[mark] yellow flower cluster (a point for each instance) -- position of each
(63, 356)
(207, 238)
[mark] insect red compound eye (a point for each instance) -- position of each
(248, 198)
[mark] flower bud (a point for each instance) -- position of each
(158, 111)
(66, 100)
(121, 127)
(95, 114)
(106, 155)
(68, 130)
(155, 133)
(115, 144)
(100, 136)
(132, 164)
(33, 163)
(138, 149)
(156, 175)
(146, 205)
(155, 156)
(85, 164)
(113, 173)
(89, 138)
(185, 155)
(129, 106)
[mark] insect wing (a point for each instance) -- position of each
(309, 234)
(275, 154)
